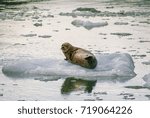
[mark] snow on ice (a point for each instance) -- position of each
(109, 65)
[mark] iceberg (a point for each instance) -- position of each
(88, 24)
(109, 65)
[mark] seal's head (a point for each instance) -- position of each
(66, 47)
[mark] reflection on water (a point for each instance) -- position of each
(114, 79)
(76, 84)
(72, 84)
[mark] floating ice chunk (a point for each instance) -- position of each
(87, 24)
(109, 65)
(146, 78)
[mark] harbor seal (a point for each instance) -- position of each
(79, 56)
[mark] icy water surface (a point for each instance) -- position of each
(32, 66)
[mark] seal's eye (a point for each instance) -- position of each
(62, 47)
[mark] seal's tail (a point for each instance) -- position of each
(92, 61)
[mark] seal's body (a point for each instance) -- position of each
(79, 56)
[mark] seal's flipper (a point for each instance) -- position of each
(91, 61)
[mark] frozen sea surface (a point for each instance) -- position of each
(33, 66)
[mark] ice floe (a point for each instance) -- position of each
(109, 65)
(146, 78)
(88, 24)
